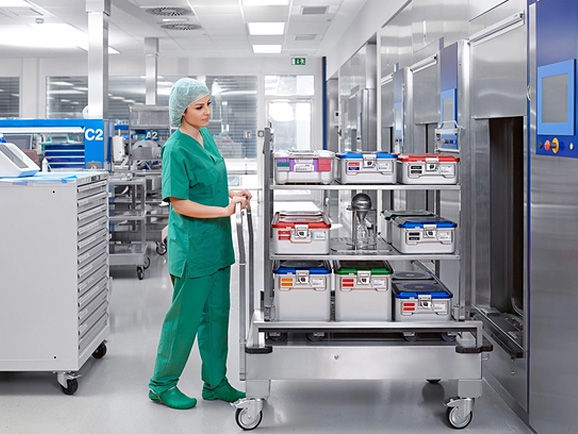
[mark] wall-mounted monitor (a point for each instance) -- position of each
(556, 99)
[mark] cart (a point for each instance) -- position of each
(272, 349)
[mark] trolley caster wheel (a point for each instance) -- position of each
(315, 337)
(446, 337)
(71, 387)
(161, 248)
(147, 263)
(100, 351)
(140, 273)
(246, 420)
(456, 419)
(277, 337)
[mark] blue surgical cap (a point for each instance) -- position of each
(184, 92)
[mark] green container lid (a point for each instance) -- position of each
(353, 266)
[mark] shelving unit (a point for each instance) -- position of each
(128, 242)
(349, 349)
(153, 124)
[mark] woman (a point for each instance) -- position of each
(200, 251)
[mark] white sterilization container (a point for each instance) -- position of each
(427, 169)
(423, 235)
(303, 167)
(302, 290)
(298, 233)
(421, 300)
(366, 168)
(362, 291)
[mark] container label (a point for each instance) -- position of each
(284, 235)
(304, 166)
(446, 169)
(319, 235)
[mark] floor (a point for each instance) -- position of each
(112, 393)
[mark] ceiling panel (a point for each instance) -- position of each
(266, 13)
(224, 29)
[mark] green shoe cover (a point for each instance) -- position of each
(224, 392)
(173, 398)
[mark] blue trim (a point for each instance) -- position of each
(312, 270)
(568, 68)
(419, 222)
(97, 135)
(453, 94)
(359, 155)
(435, 295)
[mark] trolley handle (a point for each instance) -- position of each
(243, 293)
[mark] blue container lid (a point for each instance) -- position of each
(435, 295)
(413, 289)
(359, 155)
(291, 267)
(419, 222)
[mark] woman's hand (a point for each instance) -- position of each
(230, 209)
(240, 193)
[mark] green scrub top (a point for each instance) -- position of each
(196, 247)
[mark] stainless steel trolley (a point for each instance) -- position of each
(456, 354)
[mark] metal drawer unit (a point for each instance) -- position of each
(70, 313)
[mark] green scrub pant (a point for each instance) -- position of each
(200, 304)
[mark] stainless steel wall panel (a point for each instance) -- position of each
(498, 75)
(428, 22)
(455, 14)
(553, 294)
(426, 95)
(498, 11)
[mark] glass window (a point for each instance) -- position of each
(234, 114)
(289, 85)
(9, 97)
(233, 119)
(291, 122)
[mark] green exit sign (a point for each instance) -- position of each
(298, 61)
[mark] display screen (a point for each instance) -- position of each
(555, 99)
(448, 106)
(12, 156)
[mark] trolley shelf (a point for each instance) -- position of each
(128, 216)
(472, 326)
(384, 251)
(348, 187)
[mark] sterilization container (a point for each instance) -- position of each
(421, 300)
(303, 167)
(427, 169)
(423, 235)
(302, 290)
(300, 233)
(366, 168)
(362, 291)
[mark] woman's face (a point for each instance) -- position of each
(198, 113)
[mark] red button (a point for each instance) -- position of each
(547, 145)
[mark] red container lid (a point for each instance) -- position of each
(314, 220)
(433, 158)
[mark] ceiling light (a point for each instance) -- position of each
(265, 2)
(266, 28)
(266, 49)
(14, 4)
(46, 35)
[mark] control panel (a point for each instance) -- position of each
(556, 109)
